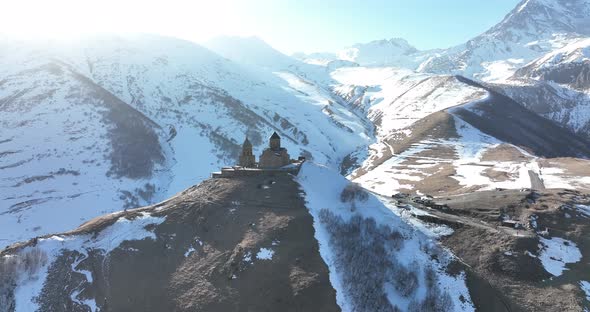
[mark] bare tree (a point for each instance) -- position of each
(353, 193)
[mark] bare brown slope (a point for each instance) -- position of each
(502, 255)
(226, 221)
(439, 125)
(506, 120)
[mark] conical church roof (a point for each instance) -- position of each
(275, 136)
(247, 143)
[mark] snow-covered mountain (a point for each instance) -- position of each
(104, 123)
(395, 52)
(533, 28)
(249, 51)
(426, 141)
(567, 66)
(193, 109)
(70, 149)
(556, 85)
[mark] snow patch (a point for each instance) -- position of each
(586, 288)
(189, 251)
(107, 240)
(556, 253)
(584, 209)
(265, 254)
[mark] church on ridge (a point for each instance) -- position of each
(274, 160)
(273, 157)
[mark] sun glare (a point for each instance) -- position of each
(193, 20)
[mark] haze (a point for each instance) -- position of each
(288, 25)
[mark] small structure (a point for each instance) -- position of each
(512, 224)
(247, 158)
(274, 156)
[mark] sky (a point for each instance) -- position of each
(288, 25)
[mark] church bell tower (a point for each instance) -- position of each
(247, 158)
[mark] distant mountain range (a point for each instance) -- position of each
(94, 126)
(530, 30)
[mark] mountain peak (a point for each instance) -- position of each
(544, 17)
(395, 51)
(249, 50)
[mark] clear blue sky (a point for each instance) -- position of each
(288, 25)
(317, 25)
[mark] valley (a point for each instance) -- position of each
(453, 179)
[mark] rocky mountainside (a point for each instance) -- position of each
(566, 66)
(311, 242)
(238, 244)
(556, 86)
(447, 134)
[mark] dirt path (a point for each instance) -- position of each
(437, 216)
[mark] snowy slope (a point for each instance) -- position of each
(561, 103)
(271, 101)
(249, 51)
(315, 58)
(394, 100)
(200, 104)
(470, 165)
(31, 283)
(420, 148)
(405, 276)
(576, 52)
(70, 150)
(255, 54)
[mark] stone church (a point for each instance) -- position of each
(272, 157)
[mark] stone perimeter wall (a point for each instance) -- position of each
(231, 172)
